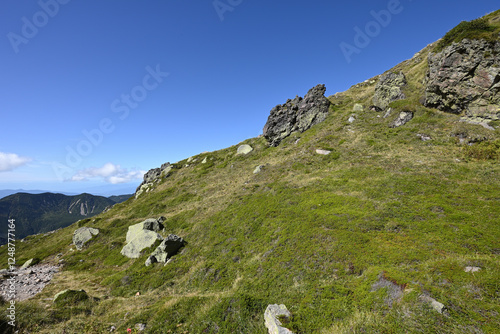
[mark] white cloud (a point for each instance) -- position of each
(11, 161)
(111, 173)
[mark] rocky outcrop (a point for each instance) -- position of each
(153, 176)
(389, 89)
(82, 235)
(298, 114)
(138, 238)
(464, 78)
(273, 324)
(168, 247)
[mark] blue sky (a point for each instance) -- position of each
(94, 93)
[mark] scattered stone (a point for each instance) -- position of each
(298, 114)
(471, 269)
(27, 264)
(358, 107)
(389, 89)
(139, 239)
(258, 169)
(477, 121)
(70, 296)
(191, 159)
(140, 327)
(112, 329)
(152, 176)
(323, 152)
(423, 137)
(403, 118)
(376, 109)
(388, 113)
(351, 119)
(244, 149)
(273, 324)
(168, 247)
(439, 307)
(82, 235)
(205, 160)
(463, 79)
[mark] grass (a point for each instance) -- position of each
(312, 232)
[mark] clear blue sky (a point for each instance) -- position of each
(161, 80)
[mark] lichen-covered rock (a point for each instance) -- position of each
(273, 324)
(403, 118)
(152, 224)
(27, 264)
(439, 307)
(139, 239)
(168, 248)
(298, 114)
(389, 89)
(82, 235)
(464, 78)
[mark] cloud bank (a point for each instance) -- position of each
(110, 173)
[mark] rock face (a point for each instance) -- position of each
(139, 238)
(168, 247)
(274, 326)
(82, 235)
(388, 89)
(464, 78)
(152, 176)
(298, 114)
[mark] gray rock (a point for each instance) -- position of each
(155, 225)
(273, 324)
(258, 169)
(388, 113)
(244, 149)
(351, 119)
(389, 89)
(168, 248)
(139, 239)
(424, 137)
(323, 152)
(464, 79)
(471, 269)
(70, 296)
(439, 307)
(152, 176)
(140, 327)
(298, 114)
(82, 235)
(358, 107)
(403, 118)
(205, 160)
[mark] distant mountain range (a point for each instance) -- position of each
(41, 213)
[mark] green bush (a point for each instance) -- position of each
(475, 29)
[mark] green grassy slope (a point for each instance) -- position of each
(317, 233)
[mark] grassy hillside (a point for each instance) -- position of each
(348, 241)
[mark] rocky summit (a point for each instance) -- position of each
(298, 114)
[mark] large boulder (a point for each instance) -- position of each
(168, 247)
(464, 78)
(389, 89)
(244, 149)
(138, 238)
(298, 114)
(82, 235)
(271, 316)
